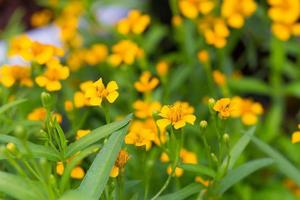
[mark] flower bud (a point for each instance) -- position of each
(211, 101)
(214, 157)
(226, 138)
(20, 132)
(203, 124)
(46, 100)
(11, 147)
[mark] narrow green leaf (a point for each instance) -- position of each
(96, 135)
(97, 176)
(38, 151)
(20, 188)
(284, 165)
(240, 173)
(10, 105)
(247, 85)
(153, 37)
(74, 195)
(199, 169)
(184, 193)
(293, 89)
(238, 148)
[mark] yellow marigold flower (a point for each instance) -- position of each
(247, 110)
(203, 56)
(125, 52)
(162, 68)
(191, 8)
(219, 78)
(41, 18)
(186, 157)
(224, 107)
(52, 76)
(68, 105)
(176, 21)
(145, 109)
(96, 54)
(75, 59)
(140, 136)
(42, 53)
(76, 173)
(80, 100)
(39, 114)
(235, 11)
(9, 75)
(199, 179)
(134, 23)
(285, 16)
(122, 159)
(296, 137)
(81, 133)
(97, 92)
(214, 30)
(146, 82)
(177, 115)
(20, 45)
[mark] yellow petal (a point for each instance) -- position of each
(112, 86)
(163, 123)
(179, 124)
(77, 173)
(114, 172)
(53, 86)
(95, 101)
(296, 137)
(41, 81)
(112, 97)
(189, 119)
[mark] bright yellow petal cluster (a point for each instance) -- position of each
(32, 50)
(177, 115)
(146, 82)
(134, 23)
(97, 92)
(235, 11)
(10, 75)
(191, 8)
(51, 78)
(122, 159)
(162, 68)
(145, 109)
(219, 78)
(81, 133)
(41, 18)
(76, 173)
(247, 109)
(285, 15)
(39, 114)
(186, 157)
(125, 52)
(224, 107)
(214, 30)
(96, 54)
(80, 100)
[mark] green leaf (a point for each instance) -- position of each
(37, 151)
(241, 172)
(179, 76)
(238, 148)
(284, 165)
(10, 105)
(183, 193)
(20, 188)
(293, 89)
(96, 135)
(198, 169)
(74, 195)
(153, 38)
(97, 176)
(247, 85)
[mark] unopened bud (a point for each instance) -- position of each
(211, 101)
(203, 124)
(46, 100)
(11, 147)
(214, 157)
(20, 132)
(226, 138)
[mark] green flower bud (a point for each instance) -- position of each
(203, 124)
(46, 100)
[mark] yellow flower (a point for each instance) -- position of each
(191, 8)
(21, 46)
(203, 56)
(76, 173)
(9, 75)
(125, 52)
(52, 76)
(186, 157)
(146, 82)
(42, 53)
(162, 68)
(41, 18)
(199, 179)
(134, 23)
(97, 92)
(96, 54)
(224, 107)
(176, 21)
(219, 78)
(177, 115)
(296, 136)
(285, 17)
(80, 100)
(39, 114)
(247, 110)
(75, 59)
(214, 30)
(145, 109)
(119, 163)
(68, 105)
(81, 133)
(236, 10)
